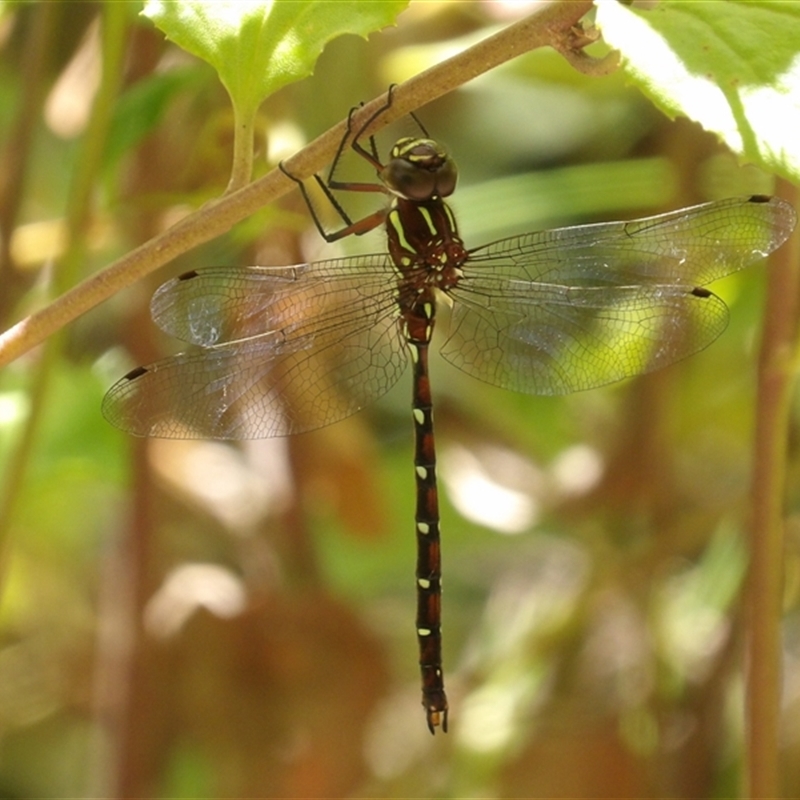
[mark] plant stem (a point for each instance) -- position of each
(114, 31)
(243, 138)
(765, 581)
(550, 25)
(18, 147)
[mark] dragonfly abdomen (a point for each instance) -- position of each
(418, 326)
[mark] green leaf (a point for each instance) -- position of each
(258, 46)
(733, 67)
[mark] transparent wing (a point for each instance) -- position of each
(551, 339)
(569, 309)
(222, 304)
(282, 351)
(691, 246)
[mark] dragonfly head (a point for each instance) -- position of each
(419, 170)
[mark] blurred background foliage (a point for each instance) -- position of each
(195, 619)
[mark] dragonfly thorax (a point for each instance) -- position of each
(419, 170)
(424, 242)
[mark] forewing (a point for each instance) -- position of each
(315, 355)
(692, 246)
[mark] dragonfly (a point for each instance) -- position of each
(282, 350)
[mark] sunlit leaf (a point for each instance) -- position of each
(732, 67)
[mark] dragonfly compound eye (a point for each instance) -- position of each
(419, 170)
(409, 180)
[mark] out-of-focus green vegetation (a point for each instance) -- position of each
(196, 619)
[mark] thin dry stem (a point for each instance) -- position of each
(765, 581)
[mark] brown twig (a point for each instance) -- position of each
(776, 371)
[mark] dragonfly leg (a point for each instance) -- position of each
(371, 155)
(328, 186)
(359, 227)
